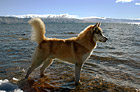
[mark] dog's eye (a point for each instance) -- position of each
(98, 32)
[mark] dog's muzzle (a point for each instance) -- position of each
(105, 39)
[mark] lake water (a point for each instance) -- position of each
(117, 61)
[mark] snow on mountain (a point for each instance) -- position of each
(44, 16)
(93, 17)
(63, 18)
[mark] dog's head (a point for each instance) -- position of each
(97, 33)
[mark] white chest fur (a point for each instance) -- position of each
(86, 56)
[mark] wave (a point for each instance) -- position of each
(137, 23)
(114, 60)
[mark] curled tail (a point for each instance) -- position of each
(38, 32)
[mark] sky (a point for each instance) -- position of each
(80, 8)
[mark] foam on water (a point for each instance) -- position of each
(6, 86)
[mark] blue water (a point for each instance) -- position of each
(117, 61)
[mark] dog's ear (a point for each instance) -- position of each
(97, 24)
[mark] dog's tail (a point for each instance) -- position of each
(38, 32)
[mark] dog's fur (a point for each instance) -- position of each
(74, 50)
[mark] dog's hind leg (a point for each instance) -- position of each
(34, 65)
(37, 60)
(45, 65)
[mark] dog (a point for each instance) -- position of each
(75, 50)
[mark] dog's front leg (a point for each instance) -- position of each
(77, 73)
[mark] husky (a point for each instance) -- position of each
(75, 50)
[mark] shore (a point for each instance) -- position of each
(63, 81)
(93, 85)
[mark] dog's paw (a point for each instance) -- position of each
(42, 75)
(26, 77)
(78, 83)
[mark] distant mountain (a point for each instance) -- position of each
(111, 20)
(62, 18)
(15, 20)
(44, 16)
